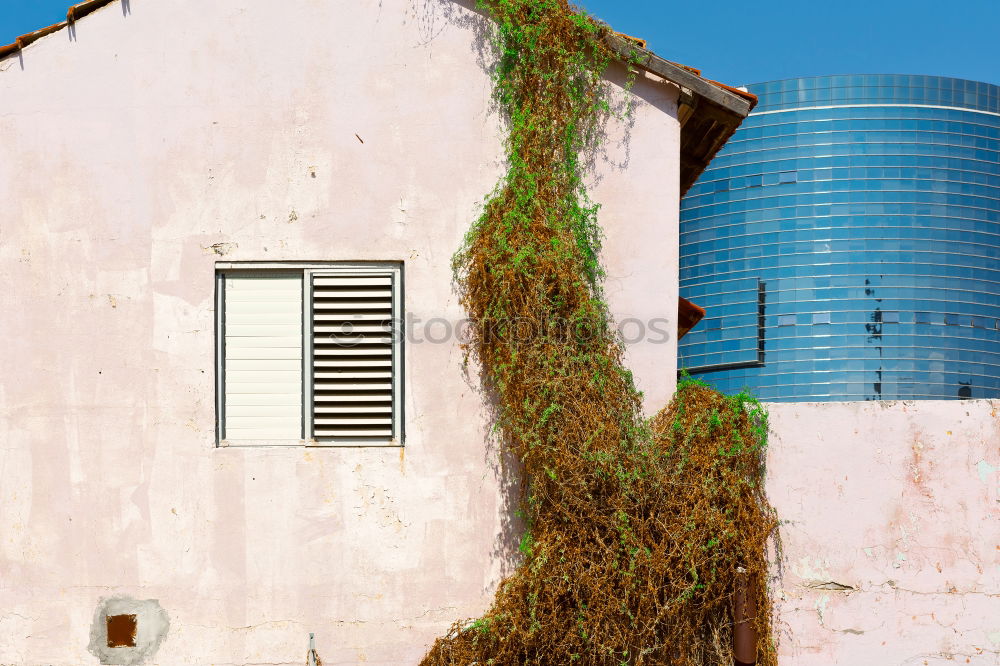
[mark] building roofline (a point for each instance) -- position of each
(709, 111)
(737, 101)
(74, 13)
(872, 73)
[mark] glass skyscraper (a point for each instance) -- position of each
(846, 243)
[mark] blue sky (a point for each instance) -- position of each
(18, 17)
(763, 40)
(758, 40)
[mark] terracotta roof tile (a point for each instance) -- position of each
(745, 94)
(638, 41)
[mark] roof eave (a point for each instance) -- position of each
(709, 112)
(74, 13)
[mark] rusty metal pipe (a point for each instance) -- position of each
(744, 613)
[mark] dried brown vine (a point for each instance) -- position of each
(637, 531)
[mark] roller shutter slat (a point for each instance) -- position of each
(343, 398)
(358, 306)
(354, 316)
(353, 329)
(354, 387)
(355, 409)
(337, 374)
(349, 341)
(353, 293)
(286, 353)
(334, 433)
(367, 363)
(352, 281)
(337, 352)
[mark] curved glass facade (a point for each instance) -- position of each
(846, 243)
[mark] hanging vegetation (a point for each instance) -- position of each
(638, 532)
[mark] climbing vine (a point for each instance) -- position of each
(638, 532)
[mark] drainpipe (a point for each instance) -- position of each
(744, 612)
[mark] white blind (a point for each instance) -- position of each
(355, 382)
(263, 357)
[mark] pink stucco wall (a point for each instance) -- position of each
(891, 532)
(163, 136)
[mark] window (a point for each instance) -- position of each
(309, 352)
(788, 177)
(821, 318)
(786, 320)
(890, 317)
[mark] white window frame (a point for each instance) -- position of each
(308, 270)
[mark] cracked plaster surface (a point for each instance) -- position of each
(890, 532)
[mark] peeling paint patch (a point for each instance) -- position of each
(809, 568)
(221, 249)
(984, 469)
(821, 607)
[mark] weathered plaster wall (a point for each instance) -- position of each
(163, 136)
(891, 532)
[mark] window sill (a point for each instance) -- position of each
(307, 443)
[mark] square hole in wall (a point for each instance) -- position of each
(121, 630)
